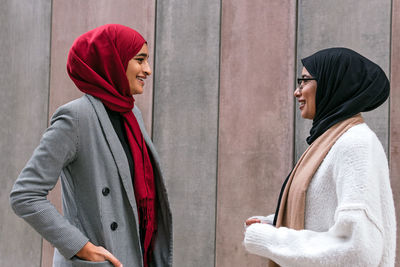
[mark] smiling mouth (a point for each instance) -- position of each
(302, 104)
(141, 80)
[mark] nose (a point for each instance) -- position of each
(147, 68)
(297, 92)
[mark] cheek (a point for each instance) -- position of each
(130, 79)
(132, 71)
(313, 108)
(314, 102)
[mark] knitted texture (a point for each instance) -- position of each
(349, 216)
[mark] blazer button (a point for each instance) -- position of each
(114, 226)
(105, 191)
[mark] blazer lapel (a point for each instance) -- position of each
(118, 153)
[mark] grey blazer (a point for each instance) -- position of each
(99, 203)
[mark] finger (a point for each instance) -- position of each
(254, 221)
(110, 257)
(251, 221)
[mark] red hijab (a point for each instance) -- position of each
(97, 63)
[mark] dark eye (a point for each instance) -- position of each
(140, 60)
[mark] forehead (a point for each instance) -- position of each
(143, 50)
(304, 71)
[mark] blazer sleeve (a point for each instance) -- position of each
(58, 147)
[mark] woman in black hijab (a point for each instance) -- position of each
(336, 206)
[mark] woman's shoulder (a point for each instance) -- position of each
(78, 104)
(358, 134)
(76, 108)
(359, 139)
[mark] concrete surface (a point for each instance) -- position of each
(24, 87)
(185, 122)
(255, 148)
(395, 117)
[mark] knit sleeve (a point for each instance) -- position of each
(58, 147)
(354, 240)
(356, 237)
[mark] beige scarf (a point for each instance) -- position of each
(292, 207)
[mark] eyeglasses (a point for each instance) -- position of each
(304, 80)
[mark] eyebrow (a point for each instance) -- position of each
(306, 76)
(142, 55)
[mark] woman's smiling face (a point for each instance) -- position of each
(305, 94)
(137, 71)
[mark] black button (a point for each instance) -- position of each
(105, 191)
(114, 226)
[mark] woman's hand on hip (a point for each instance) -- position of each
(94, 253)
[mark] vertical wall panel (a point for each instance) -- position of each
(24, 87)
(185, 121)
(363, 26)
(255, 120)
(73, 18)
(395, 117)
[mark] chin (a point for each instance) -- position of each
(306, 116)
(137, 91)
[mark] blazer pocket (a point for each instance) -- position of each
(76, 262)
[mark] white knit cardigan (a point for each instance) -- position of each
(349, 216)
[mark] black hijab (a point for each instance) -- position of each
(347, 84)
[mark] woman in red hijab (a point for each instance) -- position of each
(115, 204)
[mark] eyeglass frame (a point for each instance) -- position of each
(304, 79)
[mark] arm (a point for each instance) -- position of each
(355, 238)
(28, 198)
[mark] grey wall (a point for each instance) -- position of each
(24, 89)
(185, 122)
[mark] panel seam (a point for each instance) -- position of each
(48, 96)
(294, 156)
(154, 70)
(390, 79)
(218, 132)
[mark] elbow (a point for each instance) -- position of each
(24, 202)
(371, 250)
(363, 240)
(16, 202)
(368, 247)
